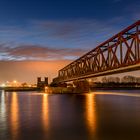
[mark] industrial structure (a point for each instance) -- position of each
(42, 84)
(120, 53)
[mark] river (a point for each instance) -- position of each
(99, 115)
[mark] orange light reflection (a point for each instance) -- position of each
(14, 115)
(45, 111)
(91, 113)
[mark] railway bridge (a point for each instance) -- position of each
(118, 54)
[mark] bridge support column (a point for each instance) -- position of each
(81, 86)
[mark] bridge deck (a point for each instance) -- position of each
(120, 53)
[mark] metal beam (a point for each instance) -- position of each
(115, 55)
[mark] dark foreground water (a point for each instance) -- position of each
(92, 116)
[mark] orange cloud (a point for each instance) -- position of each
(37, 52)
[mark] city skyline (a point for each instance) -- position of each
(47, 35)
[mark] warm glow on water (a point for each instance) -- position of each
(3, 121)
(2, 107)
(91, 116)
(45, 112)
(90, 113)
(14, 117)
(118, 94)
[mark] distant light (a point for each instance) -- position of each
(46, 87)
(48, 90)
(3, 85)
(15, 81)
(89, 80)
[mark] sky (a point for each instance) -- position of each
(49, 34)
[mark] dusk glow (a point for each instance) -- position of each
(69, 69)
(56, 31)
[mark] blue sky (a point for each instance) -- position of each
(60, 29)
(39, 37)
(62, 9)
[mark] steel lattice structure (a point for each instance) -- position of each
(120, 53)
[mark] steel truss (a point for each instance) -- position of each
(118, 54)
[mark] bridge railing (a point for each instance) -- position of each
(120, 51)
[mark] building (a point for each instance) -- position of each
(42, 84)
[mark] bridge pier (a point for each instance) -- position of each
(81, 86)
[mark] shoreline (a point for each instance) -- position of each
(115, 88)
(61, 90)
(12, 89)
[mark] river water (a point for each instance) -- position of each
(100, 115)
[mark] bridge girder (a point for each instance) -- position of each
(120, 53)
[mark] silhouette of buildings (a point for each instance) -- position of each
(42, 84)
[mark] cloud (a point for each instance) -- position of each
(76, 33)
(55, 39)
(71, 29)
(36, 52)
(52, 39)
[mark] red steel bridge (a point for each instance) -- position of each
(120, 53)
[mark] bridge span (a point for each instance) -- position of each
(120, 53)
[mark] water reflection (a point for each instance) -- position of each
(3, 107)
(129, 94)
(3, 118)
(91, 113)
(14, 115)
(93, 116)
(45, 113)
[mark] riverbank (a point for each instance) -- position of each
(61, 90)
(10, 89)
(115, 88)
(72, 90)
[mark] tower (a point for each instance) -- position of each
(42, 84)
